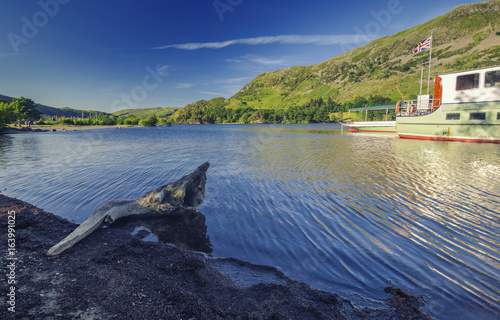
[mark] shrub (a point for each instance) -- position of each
(66, 121)
(150, 121)
(131, 121)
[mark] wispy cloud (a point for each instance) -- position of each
(7, 55)
(319, 40)
(259, 63)
(184, 85)
(265, 61)
(229, 81)
(225, 87)
(162, 69)
(214, 93)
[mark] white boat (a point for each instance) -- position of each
(373, 126)
(465, 107)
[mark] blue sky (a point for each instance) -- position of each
(111, 55)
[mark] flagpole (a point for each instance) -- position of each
(430, 61)
(421, 78)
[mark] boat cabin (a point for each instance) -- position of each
(481, 85)
(474, 86)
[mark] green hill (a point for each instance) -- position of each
(146, 112)
(68, 112)
(75, 113)
(467, 37)
(60, 112)
(5, 98)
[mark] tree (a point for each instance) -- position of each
(64, 120)
(150, 121)
(25, 109)
(131, 120)
(7, 114)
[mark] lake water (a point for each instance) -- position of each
(347, 213)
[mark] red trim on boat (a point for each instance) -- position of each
(418, 137)
(376, 131)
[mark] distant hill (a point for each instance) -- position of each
(70, 113)
(61, 112)
(146, 112)
(467, 37)
(5, 98)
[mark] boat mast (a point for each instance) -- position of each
(421, 78)
(430, 61)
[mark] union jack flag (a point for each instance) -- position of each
(424, 45)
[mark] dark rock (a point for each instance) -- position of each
(407, 306)
(179, 198)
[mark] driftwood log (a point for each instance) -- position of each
(185, 194)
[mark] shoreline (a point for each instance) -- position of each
(50, 128)
(113, 274)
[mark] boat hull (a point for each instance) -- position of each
(454, 122)
(373, 126)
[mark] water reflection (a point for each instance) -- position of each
(426, 211)
(346, 212)
(188, 230)
(5, 146)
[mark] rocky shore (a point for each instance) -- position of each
(112, 274)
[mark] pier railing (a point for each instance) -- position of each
(417, 107)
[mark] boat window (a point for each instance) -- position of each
(498, 115)
(453, 116)
(492, 79)
(477, 116)
(470, 81)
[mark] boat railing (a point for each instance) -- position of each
(379, 109)
(418, 107)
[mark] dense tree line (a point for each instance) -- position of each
(315, 111)
(105, 120)
(20, 109)
(204, 112)
(217, 111)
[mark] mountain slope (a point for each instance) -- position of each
(466, 37)
(60, 112)
(70, 113)
(5, 98)
(145, 112)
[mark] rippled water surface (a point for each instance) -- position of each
(348, 213)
